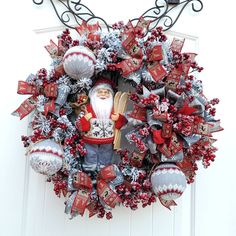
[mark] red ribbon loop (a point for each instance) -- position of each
(49, 90)
(26, 88)
(89, 30)
(107, 174)
(82, 182)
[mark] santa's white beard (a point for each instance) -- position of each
(102, 107)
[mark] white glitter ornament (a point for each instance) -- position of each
(79, 62)
(46, 157)
(168, 181)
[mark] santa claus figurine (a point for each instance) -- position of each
(98, 125)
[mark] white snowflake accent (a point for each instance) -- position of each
(136, 77)
(65, 79)
(70, 128)
(112, 40)
(147, 76)
(42, 123)
(100, 65)
(58, 134)
(85, 83)
(101, 129)
(164, 106)
(41, 100)
(132, 172)
(105, 54)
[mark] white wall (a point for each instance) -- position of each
(214, 26)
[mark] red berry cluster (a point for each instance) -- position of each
(25, 140)
(208, 106)
(196, 67)
(150, 100)
(42, 74)
(134, 97)
(101, 212)
(124, 154)
(81, 149)
(136, 192)
(140, 145)
(72, 142)
(202, 150)
(156, 35)
(37, 136)
(66, 39)
(60, 184)
(177, 59)
(119, 25)
(184, 125)
(144, 131)
(93, 45)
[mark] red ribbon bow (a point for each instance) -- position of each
(55, 50)
(49, 90)
(89, 30)
(83, 183)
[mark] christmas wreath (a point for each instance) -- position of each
(101, 145)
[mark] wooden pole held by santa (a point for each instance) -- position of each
(120, 105)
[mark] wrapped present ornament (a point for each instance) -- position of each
(168, 181)
(79, 62)
(46, 157)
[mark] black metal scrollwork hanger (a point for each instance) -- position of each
(165, 13)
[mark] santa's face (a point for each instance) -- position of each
(103, 93)
(101, 100)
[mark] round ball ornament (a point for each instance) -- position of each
(168, 181)
(46, 157)
(78, 62)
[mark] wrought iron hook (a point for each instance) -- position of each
(161, 14)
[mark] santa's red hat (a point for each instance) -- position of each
(104, 80)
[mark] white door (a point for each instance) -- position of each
(30, 207)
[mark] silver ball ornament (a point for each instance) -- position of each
(46, 157)
(168, 181)
(78, 62)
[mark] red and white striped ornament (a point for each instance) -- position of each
(168, 181)
(46, 157)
